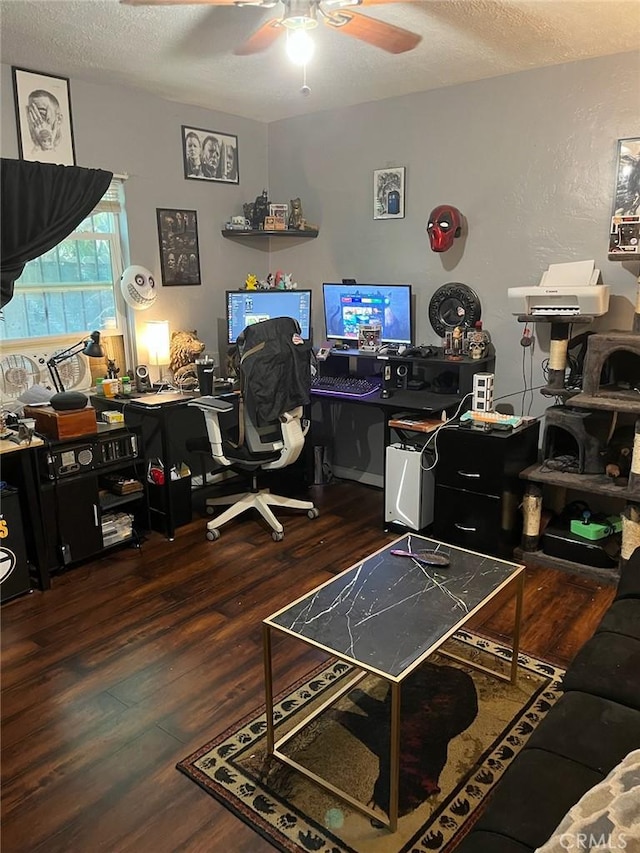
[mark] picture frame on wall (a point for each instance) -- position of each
(388, 193)
(209, 155)
(624, 234)
(179, 251)
(43, 117)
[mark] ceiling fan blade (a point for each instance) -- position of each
(385, 36)
(263, 38)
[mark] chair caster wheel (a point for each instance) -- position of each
(313, 513)
(210, 510)
(212, 535)
(277, 535)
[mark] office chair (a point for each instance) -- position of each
(275, 383)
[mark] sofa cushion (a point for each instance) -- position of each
(490, 842)
(623, 617)
(534, 795)
(588, 729)
(608, 665)
(609, 811)
(629, 583)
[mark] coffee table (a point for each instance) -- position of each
(385, 615)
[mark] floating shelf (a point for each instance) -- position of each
(237, 234)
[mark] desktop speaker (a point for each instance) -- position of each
(143, 380)
(396, 375)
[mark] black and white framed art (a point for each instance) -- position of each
(209, 155)
(179, 252)
(43, 117)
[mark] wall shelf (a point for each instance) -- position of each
(237, 234)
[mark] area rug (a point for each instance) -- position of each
(461, 728)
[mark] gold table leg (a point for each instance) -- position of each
(394, 763)
(268, 685)
(516, 627)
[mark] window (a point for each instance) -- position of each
(60, 298)
(71, 290)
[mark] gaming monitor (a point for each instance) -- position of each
(349, 306)
(245, 307)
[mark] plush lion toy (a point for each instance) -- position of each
(183, 350)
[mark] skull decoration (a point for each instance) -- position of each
(138, 288)
(477, 344)
(445, 223)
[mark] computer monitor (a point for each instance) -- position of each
(349, 306)
(245, 307)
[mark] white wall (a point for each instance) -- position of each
(528, 158)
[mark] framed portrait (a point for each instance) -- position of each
(388, 193)
(209, 155)
(179, 252)
(280, 213)
(624, 234)
(43, 117)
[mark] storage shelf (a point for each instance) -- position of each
(237, 234)
(598, 484)
(546, 561)
(108, 502)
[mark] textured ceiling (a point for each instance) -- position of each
(185, 53)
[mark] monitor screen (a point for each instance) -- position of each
(348, 306)
(245, 307)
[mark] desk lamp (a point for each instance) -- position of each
(90, 347)
(158, 343)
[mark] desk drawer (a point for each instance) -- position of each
(465, 463)
(467, 519)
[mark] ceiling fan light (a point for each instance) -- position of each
(300, 47)
(299, 15)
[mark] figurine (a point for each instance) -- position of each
(251, 282)
(296, 221)
(279, 280)
(247, 209)
(288, 282)
(260, 210)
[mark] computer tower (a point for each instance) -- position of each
(408, 488)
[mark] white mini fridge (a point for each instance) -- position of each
(408, 489)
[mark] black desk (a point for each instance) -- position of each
(154, 414)
(368, 455)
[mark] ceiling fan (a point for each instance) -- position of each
(304, 15)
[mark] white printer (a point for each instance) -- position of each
(565, 290)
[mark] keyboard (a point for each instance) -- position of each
(496, 418)
(347, 386)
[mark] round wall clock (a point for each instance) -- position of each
(452, 305)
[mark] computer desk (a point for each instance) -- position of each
(423, 402)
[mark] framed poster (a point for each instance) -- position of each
(179, 253)
(208, 155)
(624, 234)
(388, 193)
(43, 117)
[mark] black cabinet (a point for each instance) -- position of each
(478, 489)
(14, 568)
(82, 510)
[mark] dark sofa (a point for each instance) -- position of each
(584, 736)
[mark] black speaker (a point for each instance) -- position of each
(396, 375)
(143, 380)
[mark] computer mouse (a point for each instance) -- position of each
(402, 349)
(385, 394)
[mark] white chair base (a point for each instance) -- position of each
(261, 500)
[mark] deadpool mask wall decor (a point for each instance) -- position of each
(445, 223)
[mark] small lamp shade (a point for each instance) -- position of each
(94, 348)
(158, 343)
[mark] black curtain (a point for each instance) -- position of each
(42, 203)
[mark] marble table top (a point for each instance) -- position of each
(386, 613)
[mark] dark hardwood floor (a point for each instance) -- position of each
(131, 662)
